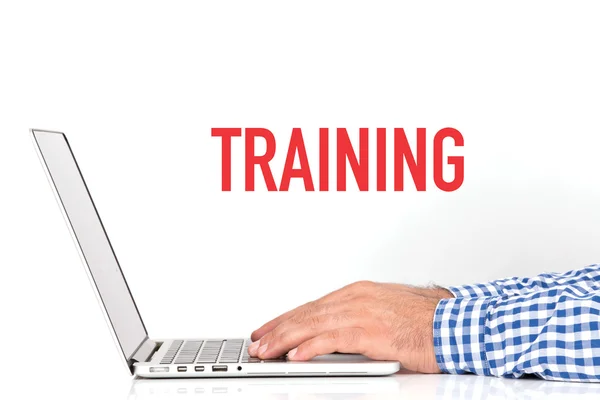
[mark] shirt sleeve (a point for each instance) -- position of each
(586, 277)
(552, 333)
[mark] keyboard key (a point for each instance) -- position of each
(232, 350)
(171, 352)
(188, 352)
(210, 352)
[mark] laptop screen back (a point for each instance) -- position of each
(91, 238)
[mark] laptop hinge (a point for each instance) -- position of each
(144, 352)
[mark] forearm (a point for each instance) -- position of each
(551, 333)
(585, 277)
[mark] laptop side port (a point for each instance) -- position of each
(159, 369)
(219, 368)
(181, 369)
(199, 368)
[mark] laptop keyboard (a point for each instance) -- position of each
(211, 352)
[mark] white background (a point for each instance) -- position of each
(137, 87)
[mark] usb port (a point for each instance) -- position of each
(219, 368)
(199, 368)
(181, 369)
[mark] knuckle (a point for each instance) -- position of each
(283, 337)
(333, 335)
(364, 309)
(314, 321)
(347, 339)
(353, 336)
(355, 341)
(299, 317)
(339, 318)
(267, 338)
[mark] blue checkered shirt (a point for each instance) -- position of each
(547, 326)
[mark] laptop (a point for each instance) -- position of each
(162, 358)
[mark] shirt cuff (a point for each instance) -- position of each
(488, 289)
(459, 335)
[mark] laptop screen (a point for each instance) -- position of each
(92, 240)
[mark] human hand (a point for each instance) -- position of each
(379, 320)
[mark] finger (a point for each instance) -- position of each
(348, 340)
(266, 328)
(258, 345)
(293, 332)
(297, 315)
(339, 294)
(269, 326)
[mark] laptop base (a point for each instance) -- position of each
(195, 358)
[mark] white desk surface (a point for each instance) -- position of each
(403, 385)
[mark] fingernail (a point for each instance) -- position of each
(252, 348)
(292, 353)
(262, 349)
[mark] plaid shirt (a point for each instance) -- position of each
(547, 325)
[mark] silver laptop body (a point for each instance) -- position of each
(168, 358)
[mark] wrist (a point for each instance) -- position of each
(439, 293)
(424, 343)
